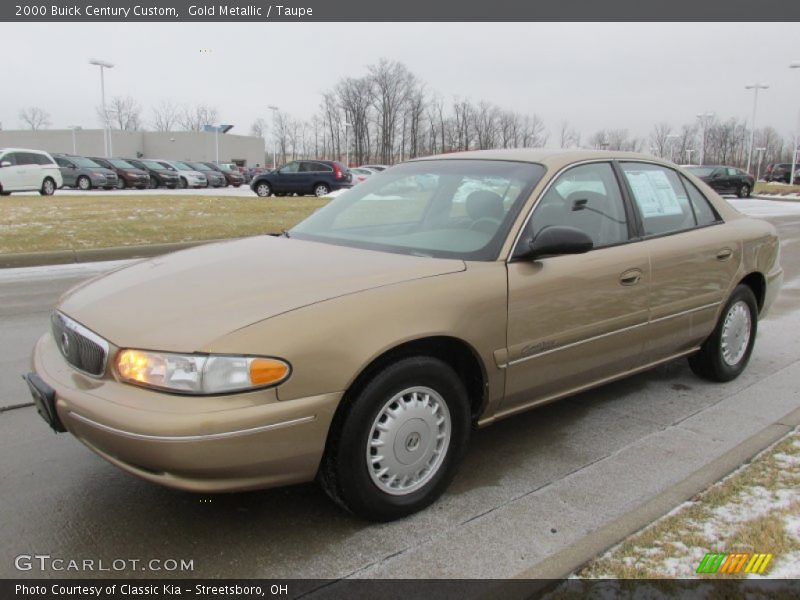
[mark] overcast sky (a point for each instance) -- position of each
(592, 75)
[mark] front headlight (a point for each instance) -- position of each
(199, 373)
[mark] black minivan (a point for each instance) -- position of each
(303, 177)
(159, 176)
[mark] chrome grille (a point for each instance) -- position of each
(83, 349)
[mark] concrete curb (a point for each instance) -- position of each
(63, 257)
(561, 564)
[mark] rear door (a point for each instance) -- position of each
(693, 257)
(30, 170)
(68, 171)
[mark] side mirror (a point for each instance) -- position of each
(556, 240)
(5, 163)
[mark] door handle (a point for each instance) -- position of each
(724, 254)
(631, 277)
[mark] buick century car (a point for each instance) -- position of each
(361, 347)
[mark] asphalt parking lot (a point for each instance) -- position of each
(533, 490)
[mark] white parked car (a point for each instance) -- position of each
(361, 174)
(24, 170)
(189, 177)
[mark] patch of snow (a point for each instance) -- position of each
(785, 566)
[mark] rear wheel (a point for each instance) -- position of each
(48, 187)
(743, 191)
(725, 354)
(84, 183)
(263, 189)
(321, 189)
(395, 445)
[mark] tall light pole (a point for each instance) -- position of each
(671, 137)
(704, 117)
(760, 156)
(103, 64)
(755, 87)
(74, 139)
(794, 65)
(274, 110)
(347, 127)
(689, 155)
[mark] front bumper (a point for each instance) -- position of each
(202, 444)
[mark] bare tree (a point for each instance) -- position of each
(568, 137)
(35, 118)
(165, 116)
(124, 113)
(197, 117)
(259, 128)
(659, 138)
(392, 81)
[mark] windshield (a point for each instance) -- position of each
(151, 164)
(183, 166)
(700, 171)
(121, 164)
(200, 167)
(85, 162)
(442, 208)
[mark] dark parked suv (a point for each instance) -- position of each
(159, 175)
(303, 177)
(781, 172)
(129, 176)
(725, 180)
(234, 178)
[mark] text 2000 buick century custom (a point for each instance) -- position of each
(360, 347)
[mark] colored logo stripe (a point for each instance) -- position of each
(721, 562)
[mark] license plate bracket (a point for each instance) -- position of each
(44, 399)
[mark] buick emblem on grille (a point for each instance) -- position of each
(65, 343)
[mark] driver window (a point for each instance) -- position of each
(588, 198)
(290, 168)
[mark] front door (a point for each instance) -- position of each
(576, 320)
(287, 178)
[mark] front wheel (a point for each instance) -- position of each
(743, 191)
(395, 445)
(321, 190)
(84, 183)
(153, 183)
(263, 190)
(121, 184)
(725, 354)
(184, 183)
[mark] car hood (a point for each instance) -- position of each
(184, 301)
(101, 170)
(194, 173)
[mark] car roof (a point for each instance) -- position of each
(550, 157)
(24, 150)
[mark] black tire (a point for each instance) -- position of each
(153, 183)
(321, 189)
(710, 363)
(344, 473)
(5, 193)
(171, 187)
(744, 191)
(121, 185)
(49, 187)
(184, 183)
(263, 189)
(84, 183)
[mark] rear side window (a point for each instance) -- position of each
(703, 210)
(660, 197)
(62, 162)
(43, 159)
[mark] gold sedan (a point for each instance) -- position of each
(361, 347)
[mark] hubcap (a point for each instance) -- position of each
(48, 187)
(736, 333)
(321, 190)
(408, 441)
(84, 184)
(263, 190)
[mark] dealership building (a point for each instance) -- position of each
(244, 150)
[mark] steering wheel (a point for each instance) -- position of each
(478, 225)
